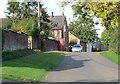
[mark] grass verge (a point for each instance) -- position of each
(9, 55)
(111, 56)
(32, 68)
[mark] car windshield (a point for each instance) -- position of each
(76, 46)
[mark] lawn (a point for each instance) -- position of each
(32, 68)
(111, 56)
(15, 54)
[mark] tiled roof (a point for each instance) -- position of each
(58, 22)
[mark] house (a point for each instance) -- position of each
(60, 31)
(73, 39)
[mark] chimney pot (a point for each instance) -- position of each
(52, 14)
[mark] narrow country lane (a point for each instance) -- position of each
(84, 67)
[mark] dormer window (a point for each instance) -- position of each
(55, 25)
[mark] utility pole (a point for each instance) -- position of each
(39, 36)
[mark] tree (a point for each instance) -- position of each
(24, 17)
(28, 26)
(83, 25)
(13, 10)
(105, 37)
(108, 13)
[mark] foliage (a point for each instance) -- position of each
(110, 37)
(24, 18)
(114, 41)
(108, 13)
(45, 30)
(83, 26)
(32, 68)
(105, 37)
(21, 10)
(9, 55)
(28, 26)
(111, 56)
(7, 25)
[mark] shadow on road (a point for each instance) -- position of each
(71, 63)
(68, 63)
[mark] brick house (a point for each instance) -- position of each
(60, 31)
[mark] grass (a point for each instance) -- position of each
(32, 68)
(111, 56)
(8, 55)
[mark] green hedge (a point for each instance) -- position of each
(113, 45)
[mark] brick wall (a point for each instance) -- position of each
(49, 45)
(14, 41)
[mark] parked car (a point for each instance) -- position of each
(77, 48)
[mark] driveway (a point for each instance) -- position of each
(84, 67)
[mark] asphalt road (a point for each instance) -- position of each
(84, 67)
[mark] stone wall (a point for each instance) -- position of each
(13, 40)
(49, 45)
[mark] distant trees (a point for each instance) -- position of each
(23, 16)
(83, 26)
(109, 15)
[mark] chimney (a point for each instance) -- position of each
(52, 15)
(63, 13)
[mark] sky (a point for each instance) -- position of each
(52, 6)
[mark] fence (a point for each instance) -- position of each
(13, 40)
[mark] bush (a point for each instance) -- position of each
(110, 38)
(114, 42)
(8, 55)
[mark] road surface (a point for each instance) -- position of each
(84, 67)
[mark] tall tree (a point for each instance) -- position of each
(108, 13)
(20, 12)
(83, 25)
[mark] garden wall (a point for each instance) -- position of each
(13, 40)
(49, 45)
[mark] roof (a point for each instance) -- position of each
(58, 21)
